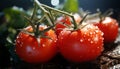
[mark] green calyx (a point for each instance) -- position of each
(105, 14)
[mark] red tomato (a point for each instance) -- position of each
(60, 24)
(28, 49)
(61, 21)
(81, 45)
(109, 27)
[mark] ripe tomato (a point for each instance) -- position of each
(109, 27)
(65, 20)
(28, 49)
(81, 45)
(60, 24)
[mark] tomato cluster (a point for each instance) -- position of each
(82, 43)
(75, 45)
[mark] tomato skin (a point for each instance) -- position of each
(81, 45)
(27, 47)
(109, 27)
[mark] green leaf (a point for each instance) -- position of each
(14, 17)
(71, 6)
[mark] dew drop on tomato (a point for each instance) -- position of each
(91, 42)
(81, 40)
(96, 39)
(43, 45)
(33, 48)
(91, 33)
(98, 47)
(88, 39)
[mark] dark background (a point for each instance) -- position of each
(90, 5)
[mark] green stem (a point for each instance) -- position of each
(41, 19)
(52, 17)
(34, 11)
(37, 31)
(50, 27)
(83, 19)
(108, 13)
(63, 12)
(31, 23)
(105, 14)
(48, 16)
(74, 23)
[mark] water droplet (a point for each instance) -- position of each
(43, 45)
(81, 40)
(98, 47)
(96, 38)
(88, 39)
(55, 41)
(17, 37)
(102, 34)
(33, 48)
(96, 31)
(91, 33)
(91, 42)
(96, 27)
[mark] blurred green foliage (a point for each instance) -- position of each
(71, 6)
(15, 17)
(12, 19)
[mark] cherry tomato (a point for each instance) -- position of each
(81, 45)
(29, 50)
(109, 27)
(64, 21)
(61, 22)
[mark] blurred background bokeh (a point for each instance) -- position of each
(85, 4)
(91, 6)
